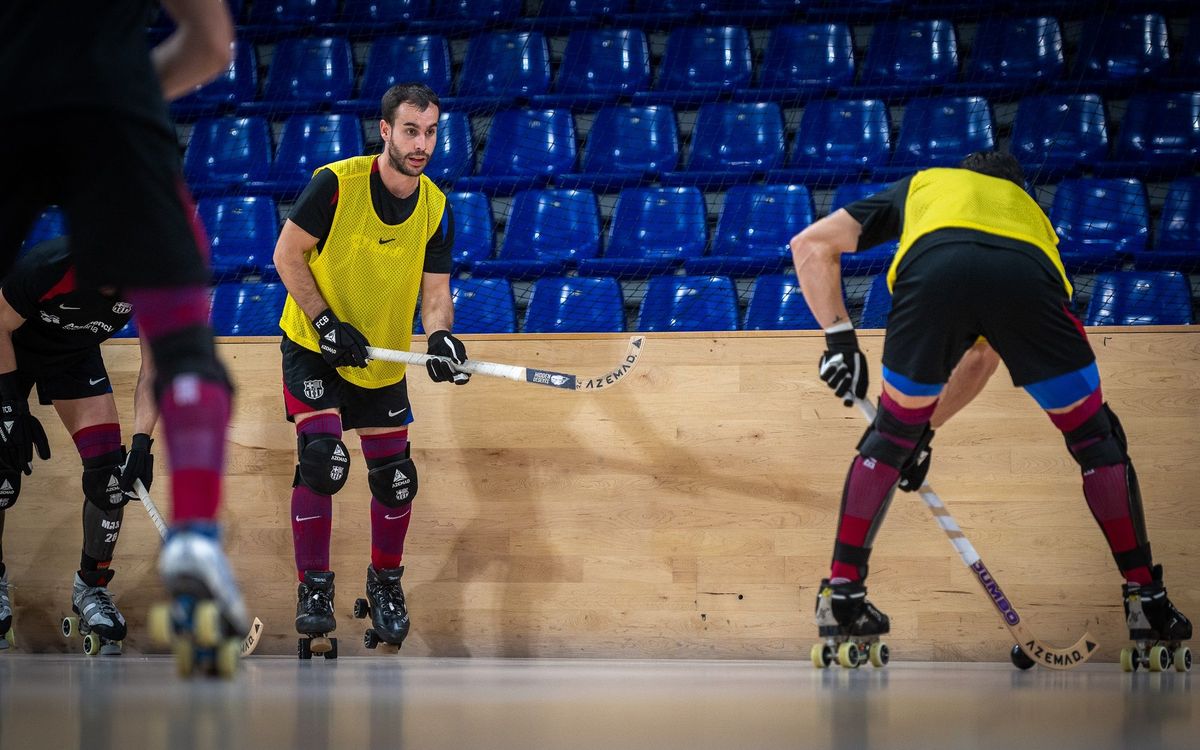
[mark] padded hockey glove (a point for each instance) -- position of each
(443, 344)
(20, 431)
(139, 464)
(341, 343)
(913, 475)
(843, 366)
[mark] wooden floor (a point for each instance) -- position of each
(424, 703)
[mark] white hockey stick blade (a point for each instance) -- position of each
(561, 380)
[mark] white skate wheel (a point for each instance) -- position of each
(879, 654)
(1182, 659)
(1129, 659)
(820, 656)
(91, 644)
(1159, 659)
(847, 655)
(70, 626)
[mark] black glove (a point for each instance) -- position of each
(913, 475)
(341, 343)
(843, 366)
(443, 344)
(20, 431)
(139, 464)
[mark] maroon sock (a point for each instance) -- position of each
(312, 512)
(389, 526)
(98, 439)
(195, 410)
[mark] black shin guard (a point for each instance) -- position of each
(101, 528)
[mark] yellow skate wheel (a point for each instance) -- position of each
(879, 654)
(206, 624)
(1182, 659)
(1129, 660)
(847, 655)
(1159, 659)
(185, 657)
(819, 654)
(70, 626)
(91, 644)
(228, 655)
(159, 624)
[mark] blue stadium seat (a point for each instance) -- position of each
(130, 331)
(474, 227)
(249, 308)
(455, 155)
(1159, 138)
(861, 10)
(701, 63)
(939, 132)
(756, 224)
(1187, 64)
(1100, 222)
(239, 83)
(626, 146)
(877, 305)
(306, 143)
(272, 17)
(652, 230)
(1013, 56)
(365, 17)
(50, 224)
(400, 59)
(689, 303)
(908, 58)
(1177, 247)
(803, 61)
(873, 260)
(483, 306)
(598, 66)
(1116, 51)
(306, 73)
(458, 17)
(502, 67)
(242, 230)
(565, 16)
(660, 15)
(760, 13)
(838, 141)
(732, 143)
(525, 148)
(1133, 298)
(777, 304)
(546, 230)
(225, 152)
(575, 305)
(1058, 135)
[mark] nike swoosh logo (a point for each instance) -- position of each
(382, 241)
(396, 413)
(306, 518)
(97, 380)
(67, 307)
(397, 518)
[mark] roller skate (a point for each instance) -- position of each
(850, 627)
(7, 637)
(385, 605)
(96, 617)
(1156, 628)
(205, 620)
(314, 615)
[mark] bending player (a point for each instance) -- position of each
(977, 257)
(50, 335)
(365, 236)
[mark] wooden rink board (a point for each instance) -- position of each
(689, 512)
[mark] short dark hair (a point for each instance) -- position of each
(995, 164)
(417, 94)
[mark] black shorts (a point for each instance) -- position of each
(82, 378)
(310, 384)
(128, 210)
(948, 295)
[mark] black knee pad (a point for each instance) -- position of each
(324, 463)
(188, 351)
(393, 479)
(1101, 441)
(10, 488)
(879, 440)
(101, 480)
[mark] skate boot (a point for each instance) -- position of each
(385, 605)
(849, 626)
(1156, 628)
(96, 618)
(7, 638)
(314, 615)
(205, 619)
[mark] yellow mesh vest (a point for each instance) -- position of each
(943, 198)
(369, 272)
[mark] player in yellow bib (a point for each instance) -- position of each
(365, 236)
(977, 258)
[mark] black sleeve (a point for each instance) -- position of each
(35, 274)
(313, 210)
(438, 258)
(881, 215)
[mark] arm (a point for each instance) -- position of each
(145, 408)
(10, 320)
(437, 306)
(817, 252)
(437, 315)
(968, 379)
(293, 268)
(198, 50)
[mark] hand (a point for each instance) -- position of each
(20, 431)
(341, 343)
(843, 366)
(443, 344)
(912, 476)
(139, 464)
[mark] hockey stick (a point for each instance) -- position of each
(250, 642)
(565, 381)
(1039, 652)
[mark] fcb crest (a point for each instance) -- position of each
(314, 389)
(122, 307)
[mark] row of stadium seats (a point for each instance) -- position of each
(656, 230)
(905, 58)
(690, 303)
(1054, 136)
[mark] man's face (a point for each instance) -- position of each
(410, 139)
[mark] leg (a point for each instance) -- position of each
(392, 478)
(5, 601)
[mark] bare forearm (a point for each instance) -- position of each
(8, 355)
(437, 313)
(198, 50)
(297, 277)
(145, 408)
(820, 279)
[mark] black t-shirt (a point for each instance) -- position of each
(62, 321)
(314, 209)
(72, 55)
